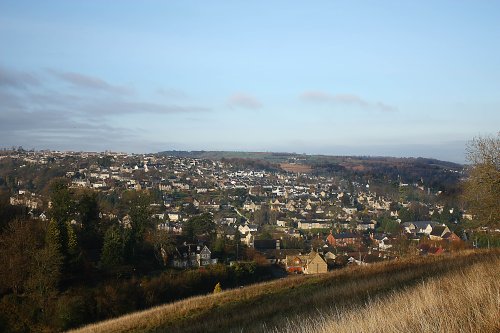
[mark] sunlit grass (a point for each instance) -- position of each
(313, 303)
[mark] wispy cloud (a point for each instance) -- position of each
(89, 82)
(129, 107)
(36, 110)
(17, 79)
(245, 101)
(171, 93)
(345, 99)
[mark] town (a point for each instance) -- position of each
(301, 222)
(92, 235)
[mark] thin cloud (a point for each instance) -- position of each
(317, 96)
(345, 99)
(130, 107)
(77, 115)
(241, 100)
(171, 93)
(17, 79)
(89, 82)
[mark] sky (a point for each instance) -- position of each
(380, 78)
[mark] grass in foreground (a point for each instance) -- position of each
(264, 306)
(465, 301)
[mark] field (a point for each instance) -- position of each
(296, 168)
(460, 292)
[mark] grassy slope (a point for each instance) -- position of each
(464, 301)
(264, 306)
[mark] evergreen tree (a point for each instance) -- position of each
(53, 236)
(88, 210)
(61, 202)
(113, 251)
(73, 256)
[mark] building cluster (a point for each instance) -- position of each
(329, 217)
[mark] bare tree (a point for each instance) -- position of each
(482, 186)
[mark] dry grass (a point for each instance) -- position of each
(467, 301)
(296, 168)
(262, 306)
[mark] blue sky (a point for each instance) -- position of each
(392, 78)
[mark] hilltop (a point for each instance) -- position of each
(305, 303)
(436, 173)
(283, 157)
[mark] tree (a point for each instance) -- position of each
(388, 224)
(61, 201)
(414, 212)
(45, 274)
(53, 236)
(88, 209)
(19, 243)
(89, 235)
(482, 186)
(218, 288)
(113, 250)
(60, 238)
(201, 225)
(164, 245)
(140, 216)
(29, 266)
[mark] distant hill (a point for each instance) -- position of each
(434, 173)
(452, 290)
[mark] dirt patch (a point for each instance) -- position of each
(296, 168)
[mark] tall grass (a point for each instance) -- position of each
(467, 301)
(265, 306)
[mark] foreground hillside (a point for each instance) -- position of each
(398, 295)
(463, 301)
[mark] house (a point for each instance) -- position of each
(312, 263)
(281, 223)
(295, 263)
(329, 256)
(204, 257)
(350, 211)
(209, 206)
(315, 264)
(266, 244)
(451, 237)
(419, 227)
(250, 206)
(248, 239)
(429, 249)
(275, 205)
(384, 244)
(227, 231)
(174, 217)
(189, 255)
(243, 229)
(345, 239)
(438, 232)
(307, 225)
(176, 228)
(290, 206)
(352, 260)
(364, 226)
(185, 256)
